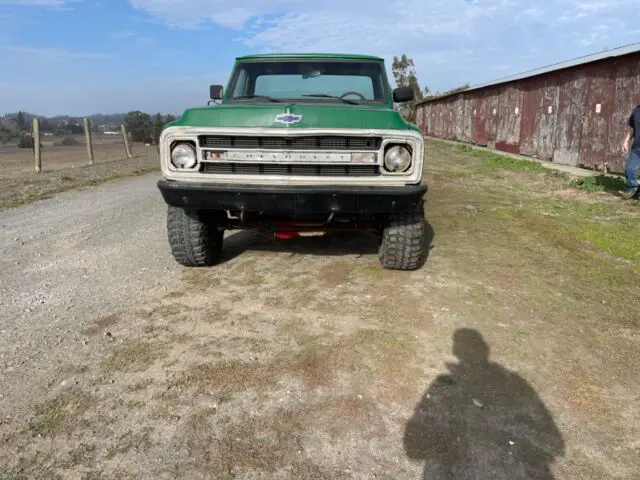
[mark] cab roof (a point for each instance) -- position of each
(293, 56)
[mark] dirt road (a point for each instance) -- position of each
(510, 355)
(70, 259)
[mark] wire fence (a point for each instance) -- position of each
(50, 152)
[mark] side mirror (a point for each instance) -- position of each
(403, 94)
(215, 92)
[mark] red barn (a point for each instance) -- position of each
(573, 113)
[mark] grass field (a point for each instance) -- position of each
(510, 355)
(66, 167)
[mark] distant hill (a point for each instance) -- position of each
(114, 118)
(142, 126)
(108, 118)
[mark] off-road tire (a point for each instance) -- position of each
(194, 241)
(403, 244)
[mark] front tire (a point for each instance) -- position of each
(403, 244)
(194, 241)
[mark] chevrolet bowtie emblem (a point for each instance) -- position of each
(288, 118)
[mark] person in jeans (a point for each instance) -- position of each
(633, 152)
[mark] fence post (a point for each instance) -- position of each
(36, 144)
(87, 136)
(126, 140)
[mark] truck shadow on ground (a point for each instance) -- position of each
(482, 421)
(334, 244)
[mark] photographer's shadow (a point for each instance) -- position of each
(482, 422)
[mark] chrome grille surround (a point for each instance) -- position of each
(253, 145)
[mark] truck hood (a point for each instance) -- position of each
(313, 116)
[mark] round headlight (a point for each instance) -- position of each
(397, 159)
(183, 155)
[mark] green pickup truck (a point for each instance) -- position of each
(296, 143)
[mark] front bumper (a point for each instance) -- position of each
(295, 201)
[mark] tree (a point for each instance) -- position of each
(60, 129)
(448, 92)
(22, 123)
(8, 129)
(26, 141)
(45, 125)
(140, 126)
(158, 125)
(404, 73)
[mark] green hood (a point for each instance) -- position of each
(313, 116)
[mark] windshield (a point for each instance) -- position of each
(318, 81)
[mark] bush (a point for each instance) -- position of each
(599, 183)
(69, 141)
(25, 142)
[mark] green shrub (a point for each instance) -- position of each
(599, 183)
(25, 142)
(69, 141)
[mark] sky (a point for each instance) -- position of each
(81, 57)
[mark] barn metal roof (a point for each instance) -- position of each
(615, 52)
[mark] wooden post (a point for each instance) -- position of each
(36, 144)
(126, 140)
(87, 136)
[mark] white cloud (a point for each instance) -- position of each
(380, 16)
(226, 13)
(382, 26)
(451, 41)
(594, 6)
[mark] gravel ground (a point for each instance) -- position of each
(67, 260)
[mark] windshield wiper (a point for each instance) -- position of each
(324, 95)
(271, 99)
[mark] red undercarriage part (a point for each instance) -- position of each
(289, 229)
(286, 229)
(286, 235)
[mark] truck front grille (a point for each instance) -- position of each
(290, 170)
(314, 142)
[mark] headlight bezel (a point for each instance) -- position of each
(402, 146)
(192, 149)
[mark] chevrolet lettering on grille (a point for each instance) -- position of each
(297, 157)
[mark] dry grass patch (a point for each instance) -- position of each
(83, 455)
(335, 274)
(30, 187)
(200, 279)
(60, 414)
(372, 359)
(138, 440)
(216, 314)
(270, 442)
(135, 356)
(247, 274)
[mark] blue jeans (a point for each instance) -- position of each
(631, 171)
